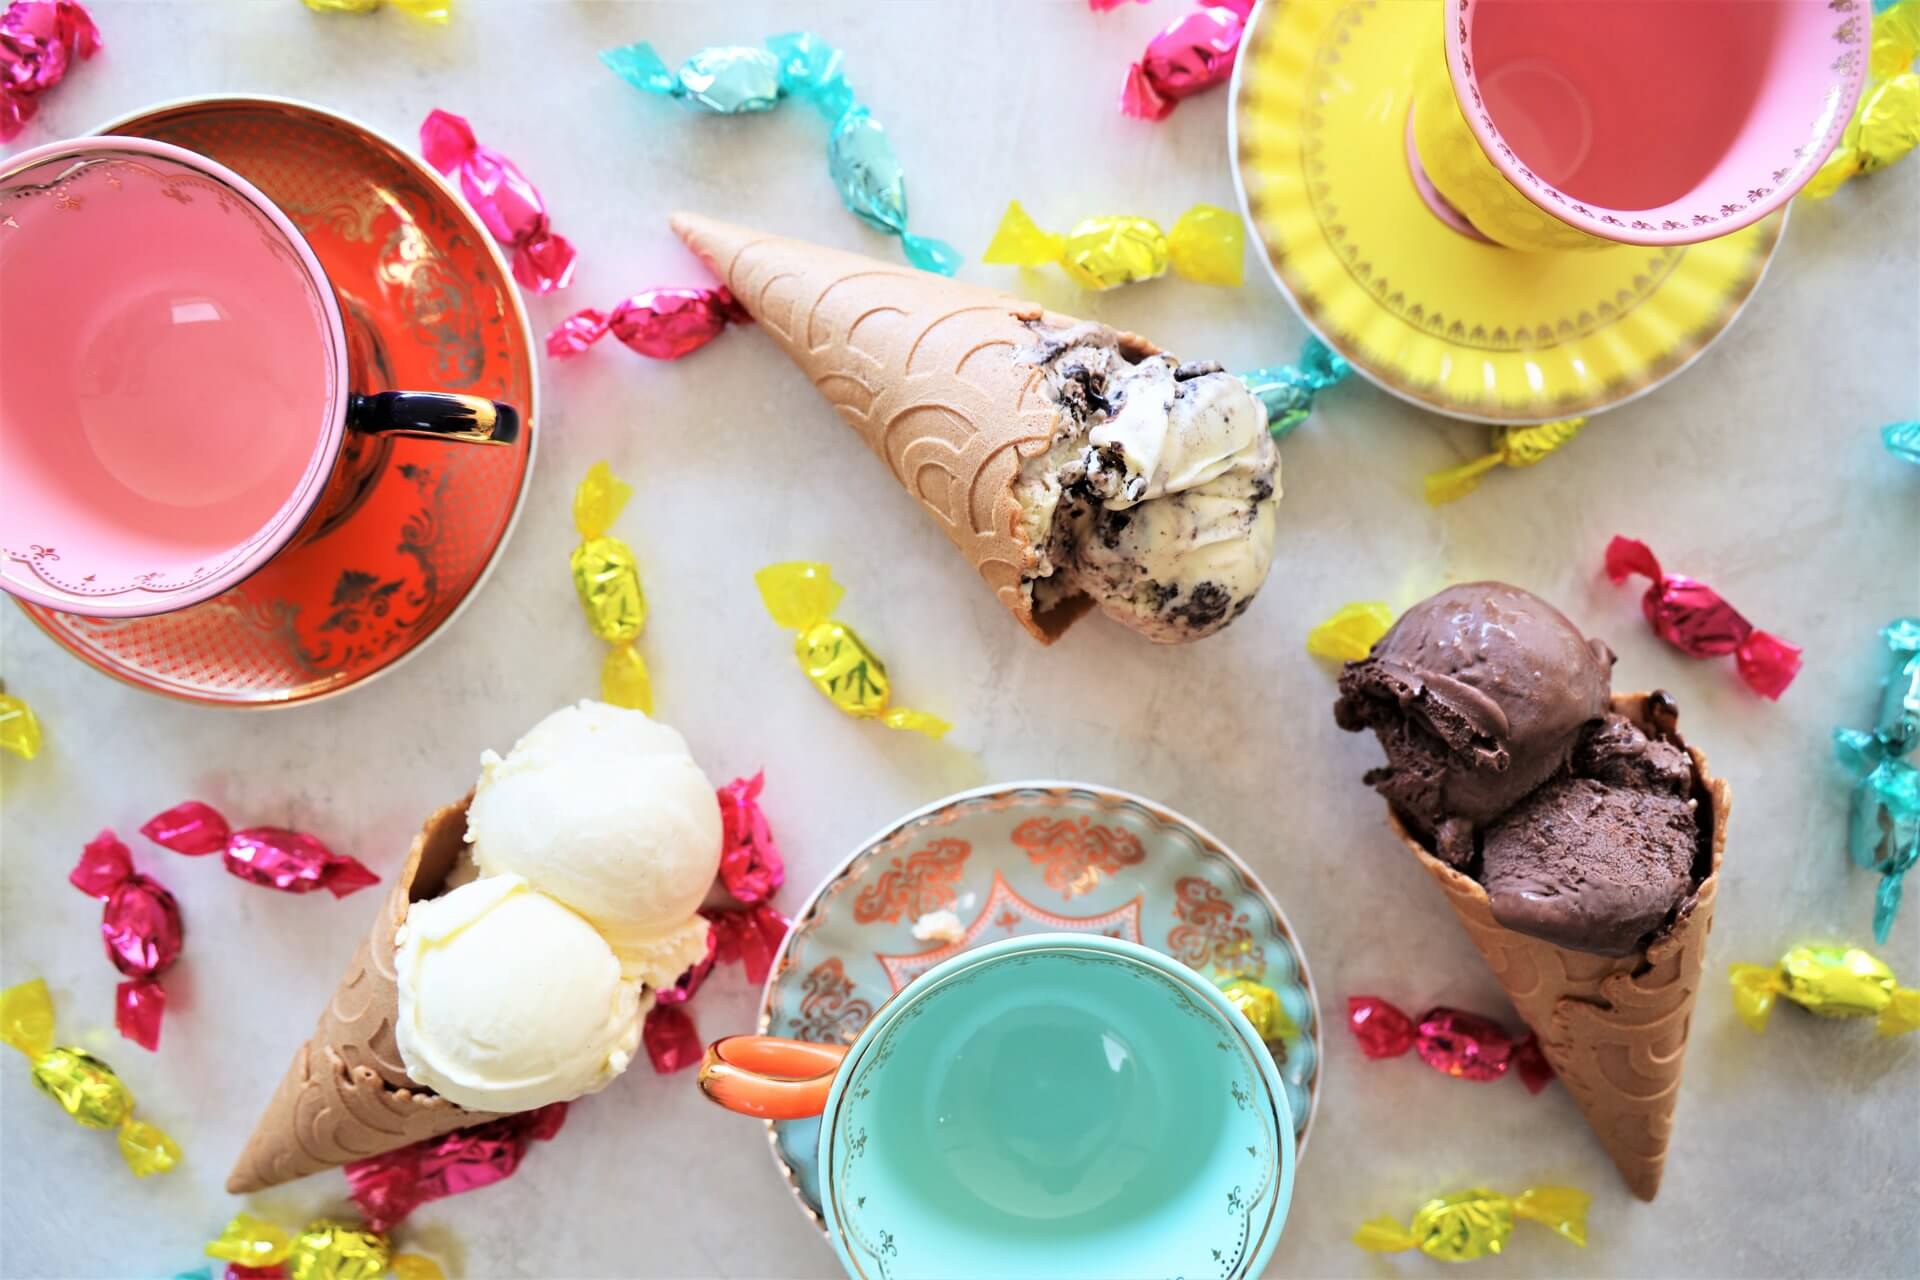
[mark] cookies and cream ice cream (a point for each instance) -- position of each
(1505, 758)
(604, 809)
(590, 847)
(1157, 496)
(508, 1000)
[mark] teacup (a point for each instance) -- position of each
(1570, 124)
(179, 399)
(1051, 1105)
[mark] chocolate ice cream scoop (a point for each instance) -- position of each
(1616, 752)
(1478, 694)
(1590, 866)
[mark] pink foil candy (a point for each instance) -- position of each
(141, 927)
(749, 935)
(662, 324)
(40, 40)
(1464, 1045)
(1196, 52)
(386, 1188)
(506, 202)
(750, 863)
(672, 1041)
(273, 857)
(1692, 617)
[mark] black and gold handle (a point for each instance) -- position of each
(434, 415)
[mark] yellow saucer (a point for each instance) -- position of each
(1450, 323)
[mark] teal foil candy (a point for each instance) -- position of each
(1883, 833)
(727, 81)
(1288, 390)
(733, 80)
(1902, 439)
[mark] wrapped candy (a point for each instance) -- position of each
(1261, 1007)
(322, 1250)
(1692, 617)
(1901, 438)
(1883, 832)
(507, 203)
(272, 857)
(1350, 632)
(141, 926)
(415, 1266)
(734, 80)
(1463, 1045)
(1511, 447)
(19, 727)
(1206, 245)
(1828, 982)
(387, 1188)
(751, 866)
(1478, 1223)
(438, 12)
(740, 79)
(1193, 53)
(40, 40)
(606, 577)
(1886, 120)
(802, 597)
(1287, 390)
(85, 1087)
(662, 324)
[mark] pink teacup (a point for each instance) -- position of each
(1555, 124)
(177, 396)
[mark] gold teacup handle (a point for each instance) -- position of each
(769, 1077)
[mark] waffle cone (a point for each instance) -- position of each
(1614, 1027)
(925, 369)
(346, 1095)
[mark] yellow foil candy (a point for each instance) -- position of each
(251, 1242)
(606, 578)
(1208, 245)
(328, 1250)
(19, 729)
(1886, 121)
(1478, 1223)
(1829, 982)
(414, 1266)
(1512, 447)
(85, 1087)
(1896, 40)
(1262, 1007)
(437, 11)
(1351, 631)
(802, 597)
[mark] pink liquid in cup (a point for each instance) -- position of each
(1714, 107)
(167, 376)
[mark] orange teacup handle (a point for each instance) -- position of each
(768, 1077)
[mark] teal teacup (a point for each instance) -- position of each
(1058, 1105)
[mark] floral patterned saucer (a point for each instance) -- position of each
(1020, 858)
(430, 304)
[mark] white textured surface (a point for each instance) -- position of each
(1797, 1153)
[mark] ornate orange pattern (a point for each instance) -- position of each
(829, 1011)
(1210, 932)
(920, 883)
(1074, 854)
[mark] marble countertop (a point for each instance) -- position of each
(1758, 470)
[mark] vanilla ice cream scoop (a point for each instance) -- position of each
(509, 1001)
(604, 809)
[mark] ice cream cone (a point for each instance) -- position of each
(346, 1095)
(1614, 1027)
(924, 368)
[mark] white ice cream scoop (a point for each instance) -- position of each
(605, 810)
(509, 1001)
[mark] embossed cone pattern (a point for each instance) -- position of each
(924, 368)
(346, 1095)
(1614, 1027)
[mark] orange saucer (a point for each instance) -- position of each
(432, 305)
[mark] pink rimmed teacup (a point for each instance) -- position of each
(178, 392)
(1556, 124)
